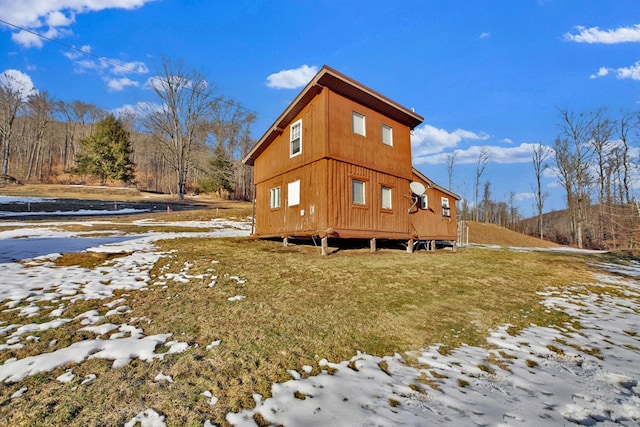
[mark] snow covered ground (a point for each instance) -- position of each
(542, 376)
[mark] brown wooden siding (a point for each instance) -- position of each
(367, 151)
(430, 224)
(368, 220)
(275, 159)
(332, 156)
(306, 218)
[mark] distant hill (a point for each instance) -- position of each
(604, 226)
(491, 234)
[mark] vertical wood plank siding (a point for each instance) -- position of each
(332, 156)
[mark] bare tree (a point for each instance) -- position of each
(12, 96)
(573, 156)
(487, 204)
(600, 141)
(623, 126)
(180, 123)
(483, 159)
(451, 160)
(540, 155)
(40, 109)
(79, 119)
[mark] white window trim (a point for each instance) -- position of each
(390, 142)
(274, 197)
(364, 193)
(293, 193)
(355, 115)
(446, 209)
(424, 202)
(291, 139)
(382, 198)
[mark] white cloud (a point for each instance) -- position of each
(50, 16)
(484, 35)
(59, 19)
(26, 39)
(504, 155)
(292, 79)
(18, 81)
(632, 72)
(137, 67)
(111, 66)
(78, 53)
(524, 196)
(137, 110)
(596, 35)
(603, 71)
(428, 139)
(120, 84)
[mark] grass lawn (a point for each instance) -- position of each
(299, 307)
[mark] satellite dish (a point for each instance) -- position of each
(417, 188)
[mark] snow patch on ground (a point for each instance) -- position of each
(570, 374)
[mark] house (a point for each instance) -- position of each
(337, 164)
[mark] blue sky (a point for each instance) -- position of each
(488, 74)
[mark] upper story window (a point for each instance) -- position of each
(357, 192)
(295, 138)
(293, 193)
(387, 135)
(385, 198)
(274, 198)
(446, 210)
(358, 123)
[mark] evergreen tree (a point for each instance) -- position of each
(219, 172)
(106, 153)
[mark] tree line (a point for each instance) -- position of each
(191, 139)
(595, 160)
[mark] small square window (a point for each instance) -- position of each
(387, 135)
(274, 199)
(357, 192)
(386, 198)
(293, 193)
(295, 141)
(358, 123)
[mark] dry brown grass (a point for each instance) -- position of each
(491, 234)
(299, 307)
(79, 191)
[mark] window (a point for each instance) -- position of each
(293, 193)
(424, 202)
(446, 210)
(357, 192)
(386, 198)
(295, 135)
(387, 135)
(274, 199)
(357, 122)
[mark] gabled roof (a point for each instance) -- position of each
(434, 185)
(345, 86)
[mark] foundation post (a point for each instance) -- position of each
(285, 242)
(325, 246)
(410, 246)
(372, 243)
